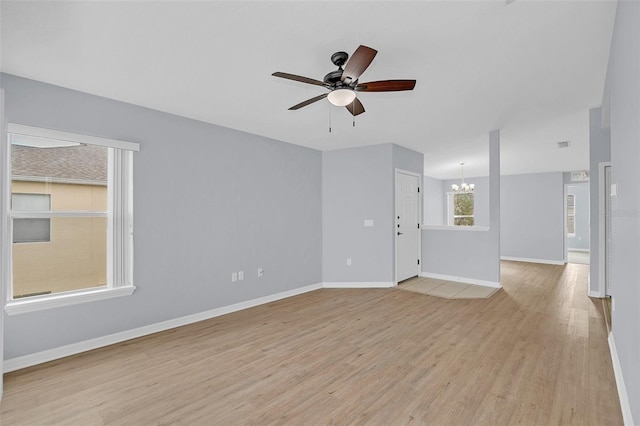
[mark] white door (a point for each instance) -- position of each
(407, 228)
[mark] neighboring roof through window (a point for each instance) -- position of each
(79, 162)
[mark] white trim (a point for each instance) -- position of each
(367, 284)
(627, 416)
(25, 214)
(602, 214)
(531, 260)
(408, 172)
(461, 279)
(29, 360)
(455, 228)
(581, 250)
(20, 129)
(4, 230)
(39, 303)
(596, 294)
(565, 226)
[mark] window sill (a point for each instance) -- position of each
(23, 306)
(455, 228)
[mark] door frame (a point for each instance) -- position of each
(5, 189)
(565, 228)
(393, 222)
(602, 243)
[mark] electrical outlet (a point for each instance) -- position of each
(348, 261)
(240, 275)
(260, 272)
(234, 277)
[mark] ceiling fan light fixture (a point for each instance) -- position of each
(341, 97)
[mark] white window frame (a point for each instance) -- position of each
(119, 228)
(451, 217)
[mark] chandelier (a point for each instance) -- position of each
(463, 188)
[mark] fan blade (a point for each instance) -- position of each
(298, 78)
(308, 102)
(356, 107)
(386, 86)
(358, 62)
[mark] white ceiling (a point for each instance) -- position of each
(530, 68)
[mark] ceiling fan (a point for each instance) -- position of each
(343, 83)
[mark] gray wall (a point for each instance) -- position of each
(433, 205)
(409, 160)
(357, 184)
(480, 199)
(532, 213)
(623, 83)
(442, 249)
(208, 201)
(599, 152)
(581, 239)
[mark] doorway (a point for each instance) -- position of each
(577, 223)
(407, 224)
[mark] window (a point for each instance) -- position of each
(31, 229)
(460, 207)
(571, 215)
(70, 218)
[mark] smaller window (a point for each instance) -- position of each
(571, 215)
(461, 208)
(31, 230)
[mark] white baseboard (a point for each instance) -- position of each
(87, 345)
(627, 418)
(367, 284)
(529, 260)
(461, 279)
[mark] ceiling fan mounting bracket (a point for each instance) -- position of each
(339, 58)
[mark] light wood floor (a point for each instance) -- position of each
(535, 354)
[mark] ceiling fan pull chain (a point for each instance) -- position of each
(329, 118)
(353, 108)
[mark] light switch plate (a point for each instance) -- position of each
(368, 223)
